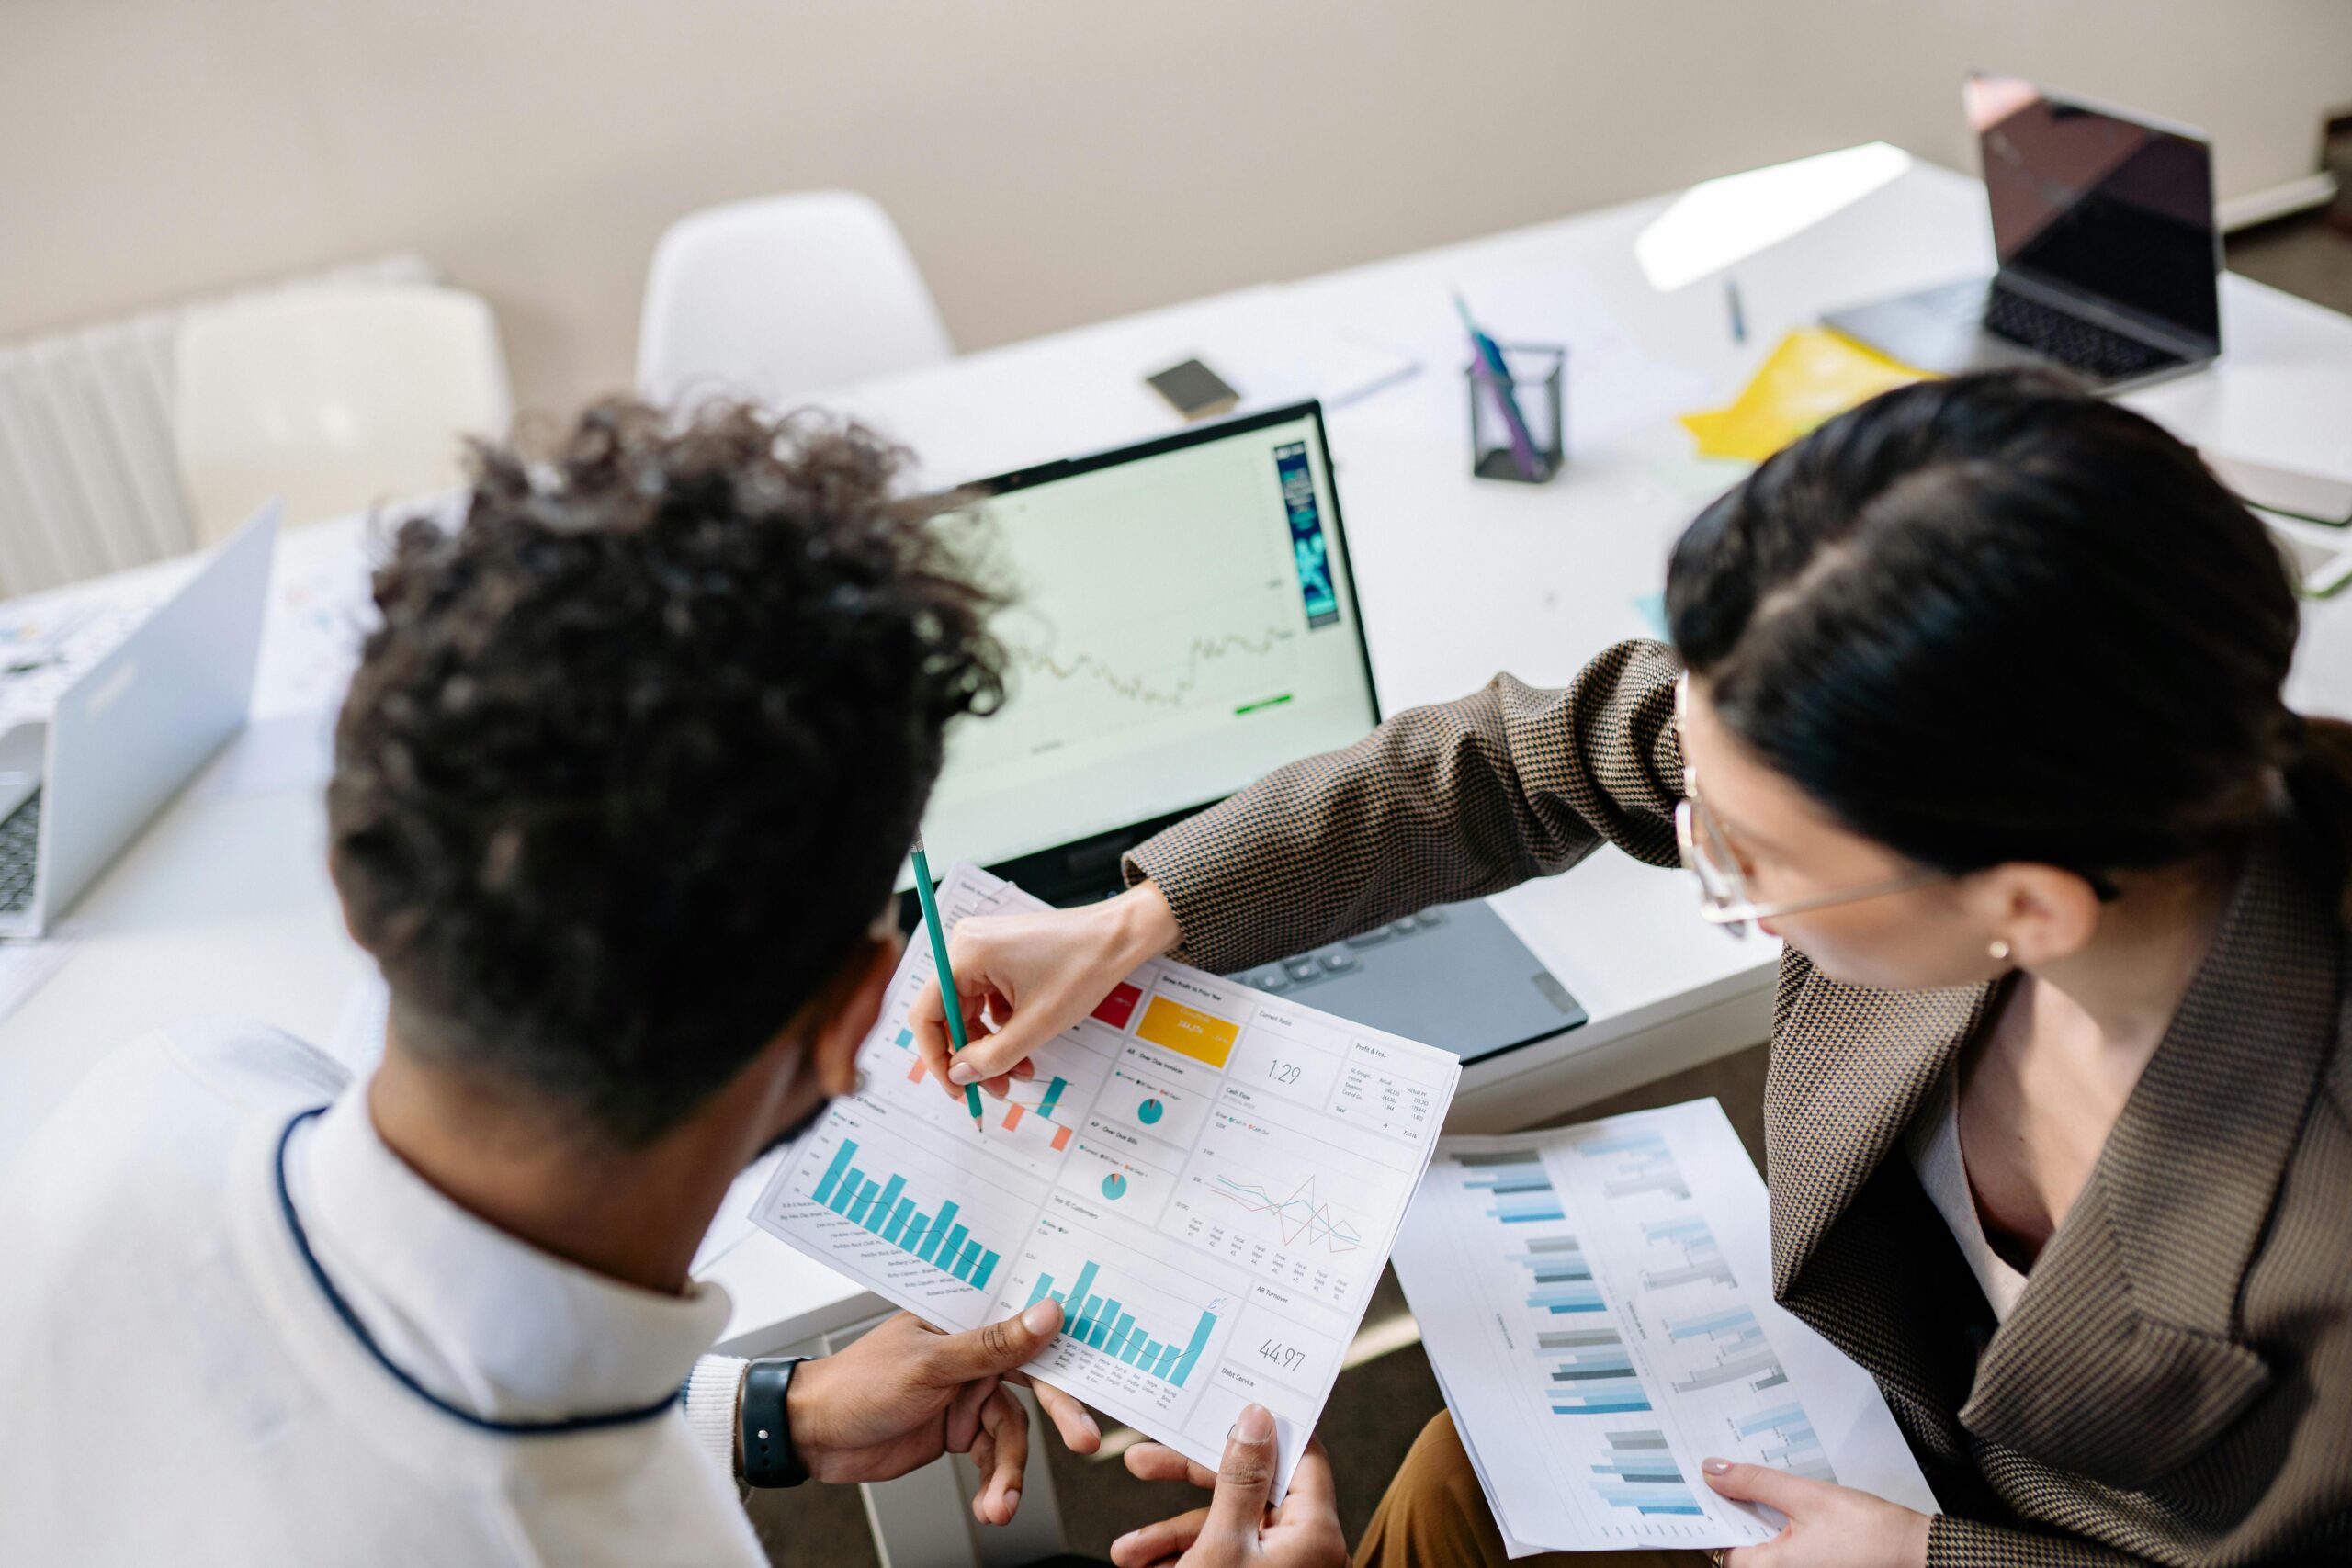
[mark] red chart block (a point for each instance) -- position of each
(1061, 1137)
(1119, 1006)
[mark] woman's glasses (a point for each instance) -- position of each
(1709, 854)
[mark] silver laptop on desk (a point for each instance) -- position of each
(129, 732)
(2109, 256)
(1185, 620)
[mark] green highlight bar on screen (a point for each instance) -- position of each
(883, 1210)
(1265, 703)
(1102, 1324)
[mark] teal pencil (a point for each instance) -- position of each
(949, 1003)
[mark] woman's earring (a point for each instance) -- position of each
(2000, 951)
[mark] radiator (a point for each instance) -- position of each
(89, 482)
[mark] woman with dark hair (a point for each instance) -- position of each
(1975, 700)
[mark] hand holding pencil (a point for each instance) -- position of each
(1024, 978)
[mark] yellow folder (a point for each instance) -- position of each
(1812, 375)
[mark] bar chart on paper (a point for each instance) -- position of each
(893, 1215)
(1102, 1322)
(934, 1238)
(1205, 1178)
(1142, 1332)
(1583, 1294)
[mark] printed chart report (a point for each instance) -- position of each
(1208, 1178)
(1597, 1302)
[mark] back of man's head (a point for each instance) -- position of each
(629, 767)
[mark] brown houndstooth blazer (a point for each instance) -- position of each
(2175, 1385)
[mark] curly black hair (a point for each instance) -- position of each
(637, 751)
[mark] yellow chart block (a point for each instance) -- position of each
(1188, 1032)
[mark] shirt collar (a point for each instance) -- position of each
(481, 1318)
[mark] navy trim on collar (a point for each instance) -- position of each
(399, 1374)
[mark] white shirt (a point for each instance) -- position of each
(181, 1387)
(1934, 1145)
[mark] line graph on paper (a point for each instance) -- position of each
(1300, 1216)
(1294, 1209)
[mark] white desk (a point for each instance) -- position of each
(223, 906)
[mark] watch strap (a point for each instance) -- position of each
(769, 1458)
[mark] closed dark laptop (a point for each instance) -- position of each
(2109, 256)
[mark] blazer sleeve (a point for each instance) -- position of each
(1439, 804)
(1964, 1543)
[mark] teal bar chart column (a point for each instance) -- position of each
(938, 1229)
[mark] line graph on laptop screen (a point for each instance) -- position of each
(1180, 624)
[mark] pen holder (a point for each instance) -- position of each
(1534, 389)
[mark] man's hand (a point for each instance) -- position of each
(1022, 979)
(1829, 1526)
(1237, 1529)
(906, 1394)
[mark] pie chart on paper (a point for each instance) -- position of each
(1114, 1186)
(1149, 1112)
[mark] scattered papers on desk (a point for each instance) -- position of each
(50, 640)
(1206, 1176)
(319, 612)
(1811, 376)
(1597, 1302)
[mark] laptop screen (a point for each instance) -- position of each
(1183, 620)
(2107, 207)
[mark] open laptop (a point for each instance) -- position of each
(129, 732)
(2103, 224)
(1185, 620)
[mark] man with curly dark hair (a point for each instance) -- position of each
(620, 791)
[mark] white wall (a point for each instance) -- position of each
(1051, 161)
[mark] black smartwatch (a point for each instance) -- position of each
(769, 1458)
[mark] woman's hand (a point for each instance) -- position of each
(906, 1394)
(1237, 1529)
(1829, 1526)
(1022, 979)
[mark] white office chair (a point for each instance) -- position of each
(776, 297)
(333, 399)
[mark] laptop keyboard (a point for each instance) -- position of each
(1338, 958)
(19, 850)
(2085, 345)
(2069, 339)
